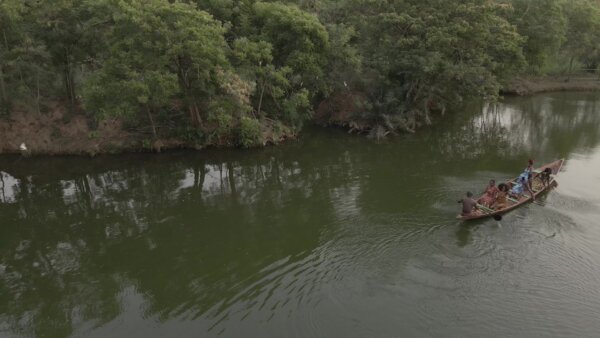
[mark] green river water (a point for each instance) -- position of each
(334, 235)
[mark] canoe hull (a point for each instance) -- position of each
(556, 166)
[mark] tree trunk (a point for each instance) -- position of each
(2, 83)
(231, 176)
(195, 114)
(221, 177)
(152, 123)
(260, 100)
(37, 97)
(3, 97)
(203, 173)
(186, 84)
(86, 192)
(69, 81)
(571, 65)
(69, 87)
(3, 200)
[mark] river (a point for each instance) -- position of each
(334, 235)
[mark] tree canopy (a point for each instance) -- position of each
(231, 68)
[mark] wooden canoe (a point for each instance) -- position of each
(483, 212)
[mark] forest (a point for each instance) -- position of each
(245, 72)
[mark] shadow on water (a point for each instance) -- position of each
(202, 235)
(464, 233)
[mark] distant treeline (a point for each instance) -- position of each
(234, 68)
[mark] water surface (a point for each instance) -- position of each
(333, 235)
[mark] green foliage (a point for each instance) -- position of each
(147, 144)
(214, 70)
(190, 134)
(283, 52)
(157, 51)
(297, 107)
(92, 135)
(583, 33)
(543, 24)
(249, 133)
(223, 122)
(419, 56)
(299, 40)
(23, 59)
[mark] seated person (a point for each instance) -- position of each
(490, 194)
(545, 176)
(501, 199)
(468, 204)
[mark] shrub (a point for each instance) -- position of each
(249, 133)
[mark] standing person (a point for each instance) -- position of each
(530, 183)
(468, 204)
(490, 195)
(529, 168)
(519, 188)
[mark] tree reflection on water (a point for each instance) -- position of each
(200, 235)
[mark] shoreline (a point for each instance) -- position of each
(54, 135)
(58, 133)
(525, 86)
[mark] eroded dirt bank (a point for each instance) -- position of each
(533, 85)
(60, 133)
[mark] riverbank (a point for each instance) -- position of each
(58, 132)
(53, 133)
(346, 110)
(543, 84)
(333, 235)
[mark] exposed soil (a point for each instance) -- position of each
(59, 133)
(532, 85)
(344, 109)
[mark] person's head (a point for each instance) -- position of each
(548, 171)
(503, 187)
(469, 194)
(530, 162)
(492, 183)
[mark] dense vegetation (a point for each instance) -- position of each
(244, 71)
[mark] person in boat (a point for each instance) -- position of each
(490, 194)
(501, 199)
(520, 187)
(530, 181)
(468, 204)
(529, 168)
(545, 177)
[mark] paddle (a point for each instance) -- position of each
(489, 211)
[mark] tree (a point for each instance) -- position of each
(69, 31)
(282, 50)
(420, 56)
(299, 41)
(543, 24)
(157, 51)
(583, 33)
(10, 20)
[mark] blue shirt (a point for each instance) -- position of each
(517, 188)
